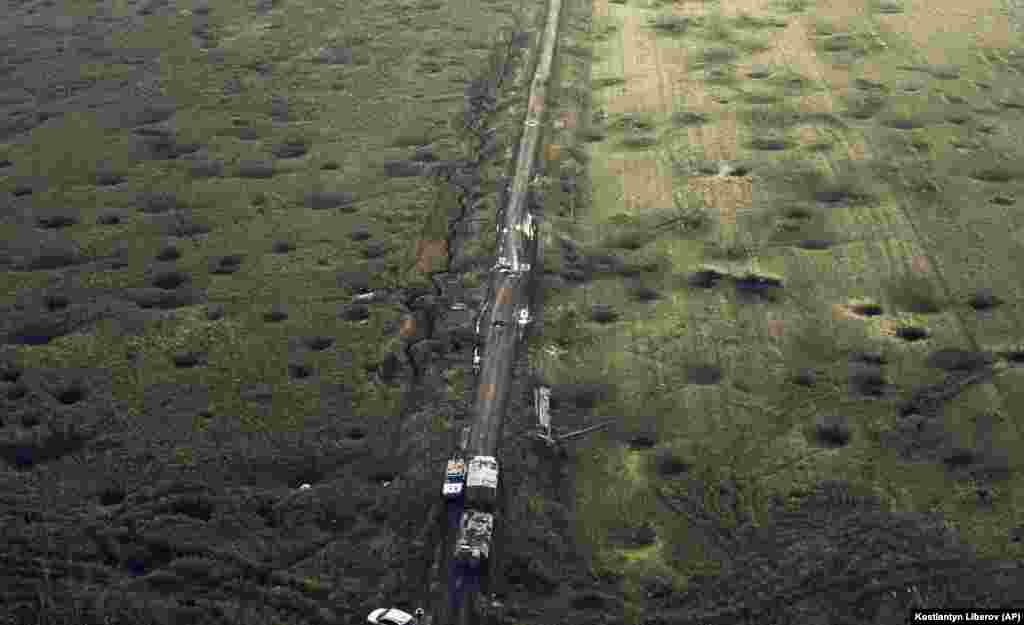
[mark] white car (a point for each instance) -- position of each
(390, 616)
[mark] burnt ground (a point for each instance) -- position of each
(174, 508)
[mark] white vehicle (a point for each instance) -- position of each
(454, 478)
(473, 545)
(482, 481)
(390, 616)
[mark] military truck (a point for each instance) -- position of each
(482, 483)
(473, 544)
(454, 478)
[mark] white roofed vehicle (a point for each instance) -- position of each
(482, 481)
(454, 478)
(391, 616)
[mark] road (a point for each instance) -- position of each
(501, 327)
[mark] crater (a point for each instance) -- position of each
(984, 299)
(107, 178)
(903, 122)
(56, 303)
(109, 218)
(815, 244)
(954, 359)
(323, 200)
(71, 394)
(9, 373)
(382, 477)
(805, 377)
(375, 249)
(53, 447)
(206, 169)
(669, 463)
(603, 314)
(293, 148)
(112, 495)
(1014, 357)
(868, 381)
(703, 374)
(169, 280)
(186, 360)
(642, 441)
(226, 264)
(360, 233)
(299, 371)
(704, 278)
(912, 333)
(275, 314)
(355, 312)
(318, 343)
(765, 287)
(958, 457)
(255, 169)
(193, 506)
(832, 431)
(797, 212)
(867, 310)
(645, 294)
(168, 253)
(56, 221)
(771, 144)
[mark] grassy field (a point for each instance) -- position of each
(327, 128)
(841, 188)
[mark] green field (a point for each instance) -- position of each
(915, 227)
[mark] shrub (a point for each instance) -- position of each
(671, 24)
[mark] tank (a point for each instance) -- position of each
(473, 545)
(482, 482)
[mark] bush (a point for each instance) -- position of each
(672, 24)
